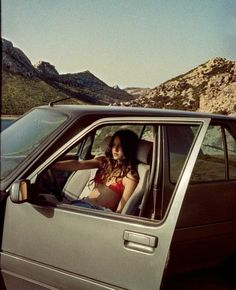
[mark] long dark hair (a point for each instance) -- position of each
(129, 142)
(119, 169)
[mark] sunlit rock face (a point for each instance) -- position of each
(210, 87)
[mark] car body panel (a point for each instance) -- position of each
(67, 247)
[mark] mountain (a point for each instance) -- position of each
(25, 85)
(210, 87)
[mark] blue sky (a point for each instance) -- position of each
(139, 43)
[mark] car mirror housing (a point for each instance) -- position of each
(20, 191)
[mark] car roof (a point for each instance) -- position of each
(77, 110)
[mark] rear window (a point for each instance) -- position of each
(180, 139)
(210, 164)
(216, 159)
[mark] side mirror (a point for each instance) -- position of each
(20, 191)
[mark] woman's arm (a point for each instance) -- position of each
(74, 165)
(130, 182)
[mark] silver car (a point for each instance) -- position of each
(182, 215)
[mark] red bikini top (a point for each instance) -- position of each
(117, 187)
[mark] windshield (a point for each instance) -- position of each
(23, 136)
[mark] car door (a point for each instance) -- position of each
(206, 228)
(64, 247)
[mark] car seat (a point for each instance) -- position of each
(144, 156)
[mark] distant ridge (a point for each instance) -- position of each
(210, 87)
(25, 86)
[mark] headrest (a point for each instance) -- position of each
(144, 151)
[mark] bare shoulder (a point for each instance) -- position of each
(132, 176)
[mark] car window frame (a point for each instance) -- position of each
(202, 122)
(222, 129)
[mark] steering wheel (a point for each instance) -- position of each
(56, 189)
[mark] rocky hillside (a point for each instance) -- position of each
(25, 85)
(137, 92)
(211, 87)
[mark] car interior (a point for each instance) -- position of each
(56, 187)
(59, 188)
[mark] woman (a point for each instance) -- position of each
(117, 176)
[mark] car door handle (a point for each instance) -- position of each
(141, 242)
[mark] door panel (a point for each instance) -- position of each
(205, 231)
(75, 243)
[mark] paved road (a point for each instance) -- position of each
(211, 279)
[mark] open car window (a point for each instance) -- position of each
(216, 160)
(180, 139)
(103, 134)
